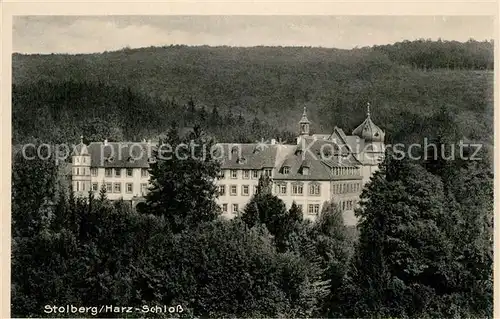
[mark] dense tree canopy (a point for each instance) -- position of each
(423, 247)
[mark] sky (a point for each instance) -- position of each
(89, 34)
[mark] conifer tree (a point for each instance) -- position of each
(182, 178)
(402, 260)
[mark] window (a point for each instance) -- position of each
(234, 174)
(130, 172)
(246, 174)
(316, 209)
(245, 190)
(95, 187)
(222, 174)
(130, 188)
(255, 188)
(297, 189)
(144, 188)
(93, 171)
(108, 172)
(235, 208)
(118, 188)
(118, 172)
(282, 189)
(144, 172)
(313, 209)
(234, 190)
(314, 189)
(109, 188)
(268, 172)
(343, 205)
(224, 208)
(299, 206)
(77, 160)
(222, 190)
(255, 174)
(286, 170)
(83, 186)
(305, 170)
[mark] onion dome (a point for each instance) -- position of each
(368, 130)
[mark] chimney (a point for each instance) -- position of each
(273, 141)
(144, 140)
(149, 142)
(106, 142)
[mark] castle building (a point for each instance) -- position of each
(317, 169)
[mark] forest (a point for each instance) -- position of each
(423, 247)
(246, 94)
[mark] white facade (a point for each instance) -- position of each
(306, 180)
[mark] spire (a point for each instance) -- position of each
(81, 139)
(368, 109)
(304, 116)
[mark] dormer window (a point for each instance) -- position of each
(110, 159)
(241, 160)
(151, 160)
(131, 159)
(286, 170)
(305, 170)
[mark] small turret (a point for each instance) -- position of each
(304, 123)
(81, 169)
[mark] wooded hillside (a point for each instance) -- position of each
(139, 91)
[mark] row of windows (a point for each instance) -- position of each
(233, 190)
(81, 171)
(312, 209)
(117, 187)
(298, 188)
(345, 171)
(347, 205)
(303, 170)
(346, 188)
(234, 208)
(85, 159)
(246, 173)
(117, 172)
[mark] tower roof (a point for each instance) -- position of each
(368, 130)
(81, 149)
(304, 119)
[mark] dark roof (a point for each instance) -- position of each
(319, 169)
(247, 156)
(122, 154)
(369, 131)
(80, 149)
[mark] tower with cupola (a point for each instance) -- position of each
(373, 148)
(303, 126)
(80, 170)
